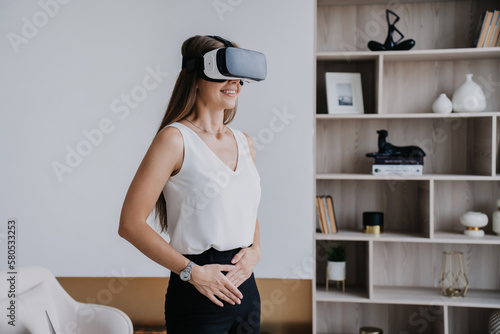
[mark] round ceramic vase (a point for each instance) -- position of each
(442, 105)
(469, 97)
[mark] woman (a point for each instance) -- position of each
(200, 176)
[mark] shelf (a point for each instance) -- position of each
(425, 177)
(326, 117)
(419, 296)
(393, 276)
(368, 2)
(383, 237)
(413, 55)
(459, 238)
(439, 237)
(410, 296)
(352, 294)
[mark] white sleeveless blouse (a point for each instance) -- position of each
(208, 204)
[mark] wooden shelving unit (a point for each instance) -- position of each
(392, 279)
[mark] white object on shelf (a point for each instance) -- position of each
(407, 170)
(473, 221)
(344, 94)
(469, 97)
(336, 271)
(496, 219)
(442, 105)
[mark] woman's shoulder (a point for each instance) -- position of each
(170, 136)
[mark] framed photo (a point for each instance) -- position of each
(343, 93)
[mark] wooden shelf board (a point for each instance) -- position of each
(322, 117)
(432, 296)
(440, 237)
(352, 294)
(383, 237)
(412, 55)
(411, 296)
(460, 238)
(365, 2)
(425, 177)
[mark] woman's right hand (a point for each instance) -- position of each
(213, 284)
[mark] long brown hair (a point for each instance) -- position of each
(183, 101)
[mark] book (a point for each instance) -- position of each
(483, 31)
(322, 214)
(326, 214)
(331, 214)
(397, 170)
(387, 160)
(491, 30)
(496, 31)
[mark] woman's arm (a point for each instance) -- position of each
(246, 260)
(163, 158)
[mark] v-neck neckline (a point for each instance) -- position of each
(213, 153)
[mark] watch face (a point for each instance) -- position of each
(184, 276)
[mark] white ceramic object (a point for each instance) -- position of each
(442, 105)
(496, 219)
(336, 271)
(473, 222)
(469, 97)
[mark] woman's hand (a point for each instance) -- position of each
(244, 264)
(213, 284)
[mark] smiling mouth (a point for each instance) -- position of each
(230, 92)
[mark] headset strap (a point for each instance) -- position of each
(223, 41)
(191, 64)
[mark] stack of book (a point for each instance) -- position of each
(387, 165)
(326, 214)
(488, 30)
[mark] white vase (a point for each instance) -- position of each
(469, 97)
(496, 219)
(336, 271)
(442, 105)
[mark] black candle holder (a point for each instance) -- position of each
(373, 222)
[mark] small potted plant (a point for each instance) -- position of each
(336, 262)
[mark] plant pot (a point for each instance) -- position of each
(336, 271)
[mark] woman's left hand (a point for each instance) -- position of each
(244, 262)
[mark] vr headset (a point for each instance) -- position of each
(228, 63)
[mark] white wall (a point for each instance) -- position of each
(74, 66)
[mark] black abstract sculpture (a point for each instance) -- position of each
(389, 43)
(386, 149)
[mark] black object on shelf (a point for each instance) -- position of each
(390, 44)
(386, 149)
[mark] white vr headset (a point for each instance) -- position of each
(228, 63)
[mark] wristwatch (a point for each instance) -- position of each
(185, 274)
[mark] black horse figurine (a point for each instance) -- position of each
(389, 43)
(386, 149)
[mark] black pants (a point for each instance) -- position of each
(187, 311)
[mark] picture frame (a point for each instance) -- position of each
(344, 94)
